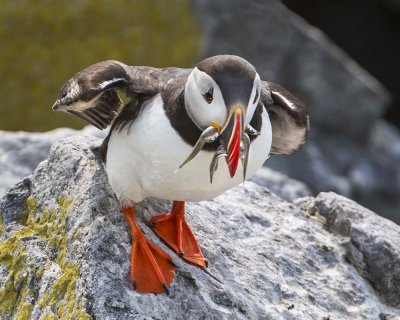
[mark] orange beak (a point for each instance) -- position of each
(231, 136)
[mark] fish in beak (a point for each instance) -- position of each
(231, 137)
(234, 142)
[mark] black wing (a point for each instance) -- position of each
(92, 93)
(289, 118)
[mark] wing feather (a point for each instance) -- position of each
(289, 118)
(92, 94)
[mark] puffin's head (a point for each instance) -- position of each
(223, 92)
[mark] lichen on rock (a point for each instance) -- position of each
(39, 228)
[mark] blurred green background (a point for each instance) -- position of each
(44, 43)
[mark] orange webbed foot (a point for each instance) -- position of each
(152, 269)
(173, 229)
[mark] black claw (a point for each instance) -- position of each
(206, 263)
(173, 263)
(181, 254)
(166, 289)
(152, 224)
(211, 275)
(133, 284)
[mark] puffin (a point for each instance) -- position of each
(183, 135)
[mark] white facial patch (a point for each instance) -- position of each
(200, 111)
(254, 99)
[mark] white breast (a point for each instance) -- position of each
(142, 161)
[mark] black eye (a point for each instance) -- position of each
(208, 96)
(256, 97)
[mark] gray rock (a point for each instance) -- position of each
(345, 102)
(21, 152)
(65, 247)
(375, 253)
(285, 187)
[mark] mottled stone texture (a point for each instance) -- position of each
(21, 152)
(317, 258)
(375, 253)
(345, 103)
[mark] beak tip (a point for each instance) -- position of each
(232, 171)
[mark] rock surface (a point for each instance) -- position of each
(21, 152)
(280, 184)
(65, 248)
(345, 103)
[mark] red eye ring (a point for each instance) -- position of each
(208, 96)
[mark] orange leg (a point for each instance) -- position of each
(173, 229)
(152, 269)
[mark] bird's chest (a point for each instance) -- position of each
(145, 159)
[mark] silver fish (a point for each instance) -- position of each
(209, 135)
(251, 131)
(214, 162)
(244, 153)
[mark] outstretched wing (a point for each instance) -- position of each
(289, 118)
(92, 93)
